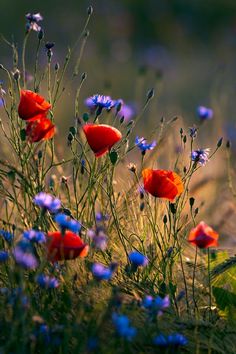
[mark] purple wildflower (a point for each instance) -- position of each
(99, 238)
(126, 111)
(200, 156)
(25, 259)
(141, 143)
(47, 282)
(47, 202)
(193, 132)
(156, 305)
(204, 113)
(34, 236)
(100, 272)
(32, 22)
(138, 259)
(67, 223)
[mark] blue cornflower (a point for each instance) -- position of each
(32, 22)
(100, 272)
(174, 340)
(193, 132)
(204, 113)
(138, 259)
(8, 236)
(47, 282)
(34, 236)
(99, 102)
(47, 202)
(123, 327)
(25, 259)
(156, 305)
(141, 143)
(67, 223)
(200, 156)
(4, 255)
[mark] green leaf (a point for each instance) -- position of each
(224, 298)
(113, 157)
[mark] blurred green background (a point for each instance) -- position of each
(190, 44)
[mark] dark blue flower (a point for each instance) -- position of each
(204, 113)
(4, 255)
(32, 22)
(34, 236)
(100, 217)
(141, 143)
(8, 236)
(47, 201)
(100, 272)
(67, 223)
(193, 132)
(47, 282)
(200, 156)
(174, 340)
(138, 259)
(123, 327)
(156, 304)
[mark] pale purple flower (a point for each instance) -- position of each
(25, 259)
(99, 238)
(47, 282)
(126, 111)
(47, 201)
(32, 22)
(101, 272)
(204, 113)
(200, 156)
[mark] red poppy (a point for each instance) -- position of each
(66, 246)
(101, 137)
(40, 129)
(31, 104)
(203, 236)
(162, 183)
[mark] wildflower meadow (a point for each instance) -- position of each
(106, 243)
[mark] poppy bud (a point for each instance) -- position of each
(57, 66)
(150, 94)
(142, 205)
(220, 142)
(191, 201)
(40, 35)
(185, 139)
(228, 144)
(165, 219)
(90, 10)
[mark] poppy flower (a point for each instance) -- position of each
(65, 246)
(40, 129)
(203, 236)
(101, 137)
(31, 105)
(162, 183)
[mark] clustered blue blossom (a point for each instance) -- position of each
(8, 236)
(32, 22)
(193, 132)
(204, 113)
(99, 102)
(34, 236)
(200, 156)
(66, 223)
(123, 327)
(4, 255)
(174, 340)
(141, 143)
(48, 202)
(156, 304)
(47, 282)
(101, 272)
(138, 259)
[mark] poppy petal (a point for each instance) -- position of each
(101, 137)
(40, 129)
(32, 104)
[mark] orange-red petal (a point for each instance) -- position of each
(101, 137)
(66, 246)
(203, 236)
(162, 183)
(40, 129)
(32, 104)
